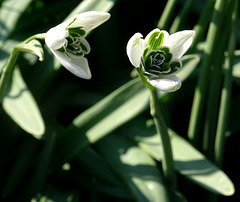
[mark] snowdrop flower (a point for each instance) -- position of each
(158, 56)
(67, 41)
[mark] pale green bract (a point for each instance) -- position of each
(68, 44)
(158, 56)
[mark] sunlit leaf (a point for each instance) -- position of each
(188, 161)
(22, 108)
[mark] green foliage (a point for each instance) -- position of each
(63, 138)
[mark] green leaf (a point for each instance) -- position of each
(188, 161)
(138, 170)
(114, 110)
(20, 105)
(195, 166)
(190, 63)
(10, 12)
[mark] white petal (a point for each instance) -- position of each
(89, 20)
(166, 84)
(135, 49)
(180, 42)
(75, 64)
(56, 38)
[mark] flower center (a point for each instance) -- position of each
(158, 59)
(159, 62)
(76, 43)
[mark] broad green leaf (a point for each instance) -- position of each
(20, 105)
(89, 158)
(195, 166)
(138, 170)
(93, 5)
(10, 12)
(114, 110)
(187, 160)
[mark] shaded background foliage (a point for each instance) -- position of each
(32, 168)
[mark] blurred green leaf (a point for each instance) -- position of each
(10, 12)
(22, 108)
(19, 168)
(93, 5)
(190, 63)
(188, 160)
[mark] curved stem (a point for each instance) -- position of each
(167, 159)
(7, 71)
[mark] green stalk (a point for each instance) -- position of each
(226, 93)
(167, 13)
(215, 85)
(167, 159)
(202, 24)
(182, 16)
(201, 88)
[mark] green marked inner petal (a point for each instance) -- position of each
(77, 31)
(156, 39)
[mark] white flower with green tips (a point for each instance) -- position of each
(158, 56)
(67, 41)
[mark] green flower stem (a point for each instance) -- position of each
(36, 36)
(179, 20)
(167, 13)
(167, 159)
(226, 93)
(8, 69)
(215, 86)
(201, 88)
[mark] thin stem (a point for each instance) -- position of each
(167, 13)
(7, 72)
(167, 159)
(226, 94)
(201, 89)
(36, 36)
(8, 69)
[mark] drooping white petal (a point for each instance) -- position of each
(56, 38)
(135, 49)
(180, 42)
(88, 20)
(75, 64)
(166, 84)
